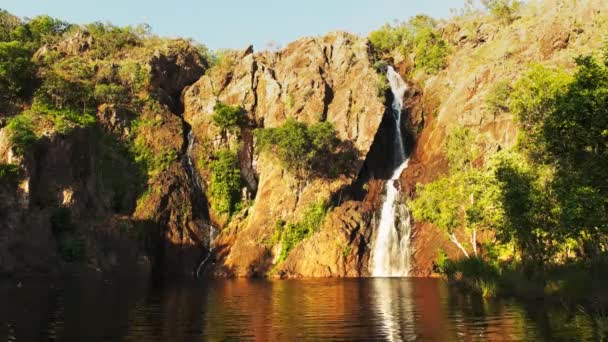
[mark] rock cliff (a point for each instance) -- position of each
(313, 79)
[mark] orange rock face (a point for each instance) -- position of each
(329, 78)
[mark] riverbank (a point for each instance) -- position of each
(578, 286)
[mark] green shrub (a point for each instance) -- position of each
(110, 39)
(420, 36)
(8, 23)
(40, 30)
(389, 37)
(64, 120)
(225, 183)
(431, 51)
(291, 234)
(298, 146)
(497, 100)
(16, 71)
(21, 133)
(504, 10)
(110, 93)
(228, 118)
(9, 173)
(62, 93)
(152, 163)
(134, 75)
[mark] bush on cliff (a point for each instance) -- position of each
(298, 146)
(228, 118)
(504, 10)
(419, 36)
(16, 71)
(291, 234)
(21, 133)
(9, 173)
(225, 182)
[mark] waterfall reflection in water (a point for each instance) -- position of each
(390, 309)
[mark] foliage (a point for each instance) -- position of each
(530, 212)
(40, 30)
(21, 133)
(8, 173)
(225, 183)
(431, 50)
(110, 93)
(291, 234)
(298, 146)
(60, 92)
(149, 161)
(228, 118)
(465, 199)
(8, 23)
(497, 100)
(134, 75)
(548, 198)
(420, 36)
(110, 39)
(64, 120)
(16, 70)
(504, 10)
(382, 86)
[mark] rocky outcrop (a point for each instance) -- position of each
(174, 70)
(82, 195)
(313, 79)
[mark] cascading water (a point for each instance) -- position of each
(196, 183)
(193, 173)
(390, 255)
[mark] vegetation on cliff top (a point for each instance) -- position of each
(419, 37)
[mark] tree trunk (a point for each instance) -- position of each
(458, 244)
(474, 241)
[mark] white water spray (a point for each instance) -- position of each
(390, 255)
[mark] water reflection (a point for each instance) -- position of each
(133, 309)
(394, 302)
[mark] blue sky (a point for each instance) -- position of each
(236, 23)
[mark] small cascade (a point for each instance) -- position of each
(390, 256)
(198, 193)
(210, 249)
(194, 177)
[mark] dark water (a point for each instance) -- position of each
(132, 309)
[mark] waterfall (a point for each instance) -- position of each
(198, 189)
(196, 182)
(390, 256)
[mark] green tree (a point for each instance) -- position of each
(418, 35)
(8, 23)
(298, 146)
(431, 50)
(463, 201)
(40, 30)
(16, 71)
(531, 213)
(504, 10)
(228, 118)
